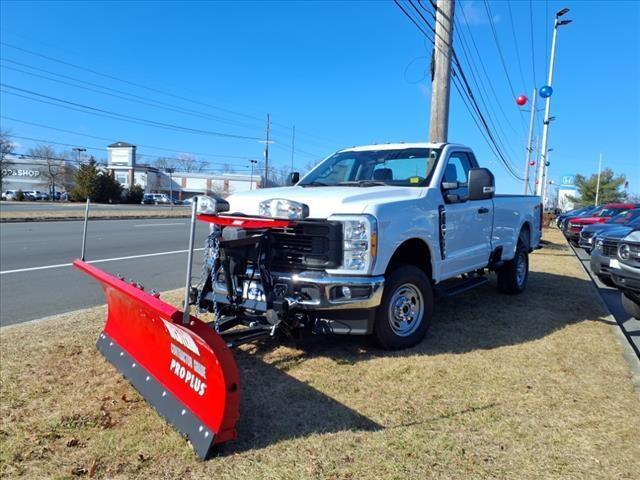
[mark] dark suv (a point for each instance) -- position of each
(627, 276)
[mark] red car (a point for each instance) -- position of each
(607, 211)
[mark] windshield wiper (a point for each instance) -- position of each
(363, 183)
(315, 183)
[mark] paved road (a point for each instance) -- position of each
(35, 280)
(611, 296)
(77, 207)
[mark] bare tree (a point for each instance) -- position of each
(55, 165)
(163, 163)
(6, 148)
(189, 163)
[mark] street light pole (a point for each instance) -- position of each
(545, 126)
(598, 184)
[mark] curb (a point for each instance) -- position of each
(628, 351)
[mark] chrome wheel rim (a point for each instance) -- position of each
(521, 268)
(406, 309)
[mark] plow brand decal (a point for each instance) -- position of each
(186, 372)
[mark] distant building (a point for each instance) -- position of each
(566, 189)
(123, 163)
(26, 173)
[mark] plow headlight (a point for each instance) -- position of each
(283, 208)
(359, 243)
(211, 205)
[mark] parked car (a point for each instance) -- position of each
(564, 220)
(155, 199)
(605, 252)
(609, 210)
(627, 274)
(30, 195)
(188, 201)
(589, 232)
(573, 213)
(9, 195)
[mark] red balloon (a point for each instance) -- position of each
(521, 100)
(532, 163)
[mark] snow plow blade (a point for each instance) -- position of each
(186, 372)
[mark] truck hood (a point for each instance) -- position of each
(589, 220)
(323, 201)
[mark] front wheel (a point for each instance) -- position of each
(404, 315)
(513, 275)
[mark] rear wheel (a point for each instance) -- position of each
(404, 315)
(630, 305)
(513, 275)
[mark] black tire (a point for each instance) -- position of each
(407, 287)
(630, 305)
(606, 280)
(511, 280)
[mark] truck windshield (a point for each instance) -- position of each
(410, 167)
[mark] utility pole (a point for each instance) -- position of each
(170, 172)
(293, 146)
(78, 151)
(532, 120)
(598, 184)
(545, 126)
(266, 156)
(441, 83)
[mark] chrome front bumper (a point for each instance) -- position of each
(316, 291)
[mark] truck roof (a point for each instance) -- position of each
(394, 146)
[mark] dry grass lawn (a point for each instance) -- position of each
(530, 386)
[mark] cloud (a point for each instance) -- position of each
(473, 13)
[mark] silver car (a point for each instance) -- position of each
(604, 255)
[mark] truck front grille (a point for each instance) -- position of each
(309, 245)
(610, 248)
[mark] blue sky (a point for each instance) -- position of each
(344, 73)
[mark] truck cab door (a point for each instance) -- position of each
(466, 228)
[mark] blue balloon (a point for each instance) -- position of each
(546, 91)
(546, 164)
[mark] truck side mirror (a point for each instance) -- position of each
(481, 184)
(294, 177)
(450, 185)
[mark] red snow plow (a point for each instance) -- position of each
(181, 365)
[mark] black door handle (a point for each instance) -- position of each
(483, 210)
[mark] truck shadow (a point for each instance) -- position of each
(276, 406)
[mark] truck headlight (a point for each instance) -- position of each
(599, 244)
(624, 252)
(211, 205)
(283, 208)
(359, 243)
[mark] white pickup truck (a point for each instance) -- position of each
(377, 232)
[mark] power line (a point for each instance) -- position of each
(495, 37)
(102, 149)
(134, 98)
(121, 116)
(486, 74)
(515, 44)
(152, 89)
(533, 51)
(475, 111)
(111, 140)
